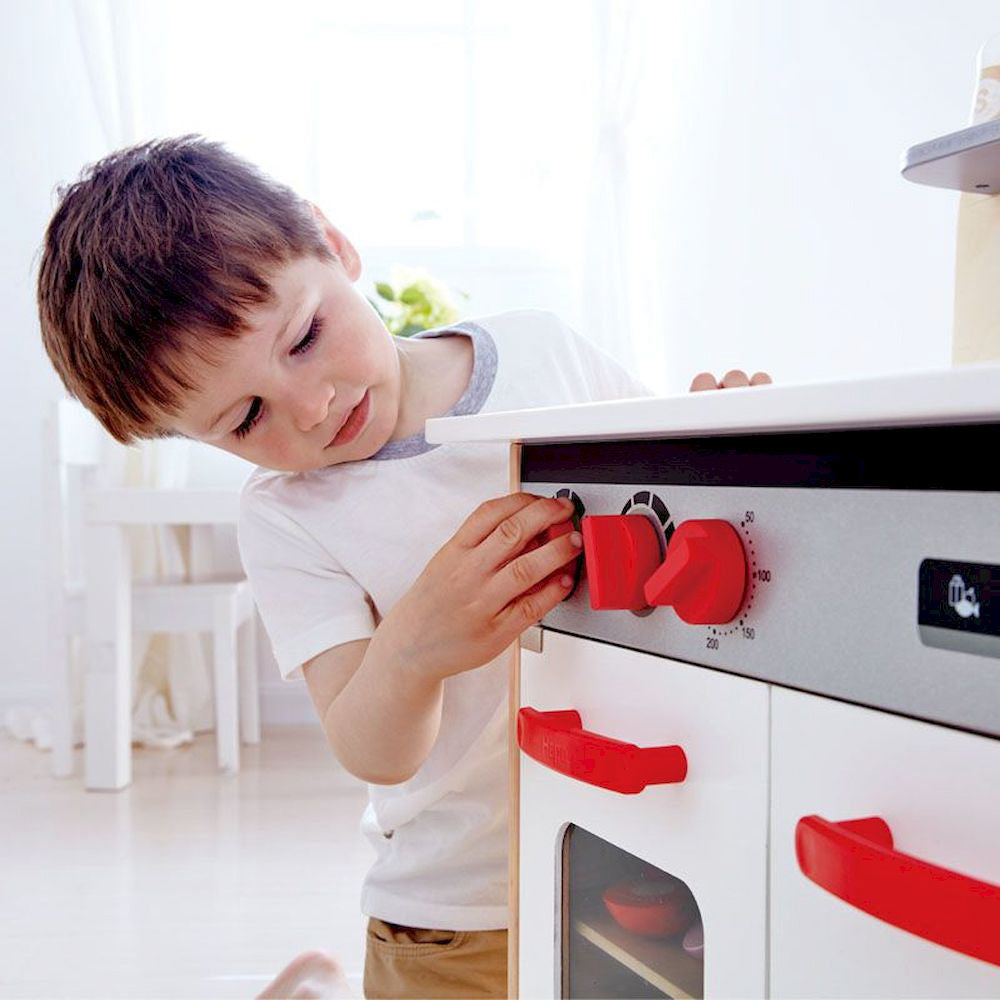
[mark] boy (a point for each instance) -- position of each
(181, 292)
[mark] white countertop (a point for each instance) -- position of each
(969, 394)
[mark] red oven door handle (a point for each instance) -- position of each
(558, 740)
(854, 860)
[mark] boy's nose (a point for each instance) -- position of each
(310, 407)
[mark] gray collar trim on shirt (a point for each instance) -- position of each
(484, 370)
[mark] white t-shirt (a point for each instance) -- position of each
(329, 552)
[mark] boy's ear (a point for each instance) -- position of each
(341, 246)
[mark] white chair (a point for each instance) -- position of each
(225, 609)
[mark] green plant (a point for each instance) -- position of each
(412, 301)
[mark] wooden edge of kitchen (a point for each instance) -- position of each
(513, 775)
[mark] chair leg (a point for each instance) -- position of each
(224, 663)
(62, 708)
(107, 695)
(249, 695)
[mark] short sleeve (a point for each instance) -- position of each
(605, 376)
(306, 600)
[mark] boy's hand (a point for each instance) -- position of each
(492, 579)
(731, 380)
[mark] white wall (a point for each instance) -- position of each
(775, 231)
(789, 239)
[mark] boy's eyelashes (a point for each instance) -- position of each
(311, 334)
(253, 414)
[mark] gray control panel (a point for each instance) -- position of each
(879, 596)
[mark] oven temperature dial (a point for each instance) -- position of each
(704, 575)
(621, 553)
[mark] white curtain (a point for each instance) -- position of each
(288, 117)
(172, 690)
(624, 251)
(606, 261)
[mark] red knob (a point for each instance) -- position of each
(704, 575)
(620, 551)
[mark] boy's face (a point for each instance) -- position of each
(316, 356)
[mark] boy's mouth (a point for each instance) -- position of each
(354, 423)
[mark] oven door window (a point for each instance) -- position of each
(629, 929)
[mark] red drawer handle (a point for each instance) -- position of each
(557, 740)
(854, 860)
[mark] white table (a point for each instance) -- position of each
(108, 666)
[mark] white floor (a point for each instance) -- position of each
(186, 884)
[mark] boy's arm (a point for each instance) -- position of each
(380, 698)
(380, 721)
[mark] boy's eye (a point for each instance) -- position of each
(251, 418)
(253, 414)
(307, 341)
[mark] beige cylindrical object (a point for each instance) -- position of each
(976, 326)
(976, 329)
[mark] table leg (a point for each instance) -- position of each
(108, 677)
(201, 552)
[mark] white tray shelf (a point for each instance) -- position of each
(967, 160)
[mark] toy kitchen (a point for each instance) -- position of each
(756, 751)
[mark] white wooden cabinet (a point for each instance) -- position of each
(938, 790)
(709, 830)
(760, 758)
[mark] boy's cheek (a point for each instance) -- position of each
(271, 452)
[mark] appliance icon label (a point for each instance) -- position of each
(962, 598)
(959, 596)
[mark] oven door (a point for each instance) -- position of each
(642, 867)
(885, 854)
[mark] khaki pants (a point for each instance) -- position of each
(411, 963)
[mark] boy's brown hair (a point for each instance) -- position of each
(157, 252)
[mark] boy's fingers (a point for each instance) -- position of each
(530, 608)
(735, 379)
(527, 573)
(566, 566)
(731, 380)
(515, 533)
(706, 380)
(483, 521)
